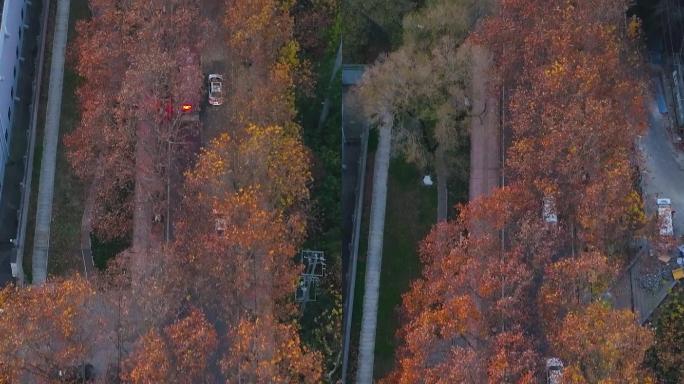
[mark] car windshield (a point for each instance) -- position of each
(215, 86)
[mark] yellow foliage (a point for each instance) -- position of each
(634, 27)
(557, 68)
(635, 210)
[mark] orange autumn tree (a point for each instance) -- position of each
(575, 107)
(164, 38)
(139, 61)
(261, 36)
(258, 29)
(288, 362)
(514, 359)
(469, 298)
(47, 328)
(156, 366)
(600, 344)
(182, 353)
(233, 256)
(253, 181)
(237, 256)
(99, 149)
(571, 283)
(574, 104)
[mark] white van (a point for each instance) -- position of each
(554, 370)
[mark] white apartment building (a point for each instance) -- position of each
(12, 28)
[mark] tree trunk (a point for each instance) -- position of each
(364, 374)
(87, 224)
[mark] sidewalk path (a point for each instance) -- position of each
(369, 319)
(47, 167)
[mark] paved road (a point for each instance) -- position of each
(663, 175)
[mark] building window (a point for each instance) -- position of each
(20, 28)
(9, 113)
(17, 51)
(5, 136)
(22, 14)
(15, 71)
(12, 93)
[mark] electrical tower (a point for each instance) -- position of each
(310, 279)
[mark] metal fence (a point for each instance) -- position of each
(354, 250)
(18, 258)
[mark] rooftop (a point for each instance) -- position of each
(352, 73)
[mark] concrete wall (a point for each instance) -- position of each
(11, 36)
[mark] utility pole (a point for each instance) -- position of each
(184, 109)
(503, 181)
(168, 191)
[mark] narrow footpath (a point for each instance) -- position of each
(485, 161)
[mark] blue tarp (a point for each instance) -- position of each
(655, 57)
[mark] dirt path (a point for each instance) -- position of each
(485, 160)
(442, 190)
(145, 182)
(87, 226)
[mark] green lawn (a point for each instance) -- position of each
(65, 232)
(321, 320)
(411, 212)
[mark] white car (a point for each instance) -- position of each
(215, 89)
(549, 210)
(665, 217)
(554, 370)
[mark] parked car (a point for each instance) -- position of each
(215, 89)
(554, 370)
(549, 210)
(665, 217)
